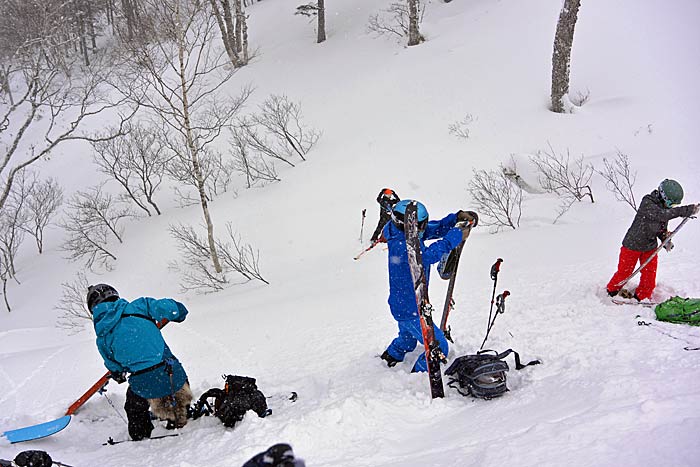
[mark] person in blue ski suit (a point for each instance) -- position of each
(402, 298)
(129, 341)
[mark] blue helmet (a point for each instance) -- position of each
(399, 211)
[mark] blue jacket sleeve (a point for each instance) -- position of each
(434, 252)
(164, 308)
(438, 229)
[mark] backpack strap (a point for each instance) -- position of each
(136, 315)
(203, 407)
(518, 364)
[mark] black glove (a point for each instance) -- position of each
(468, 216)
(118, 376)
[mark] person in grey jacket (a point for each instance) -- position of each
(640, 242)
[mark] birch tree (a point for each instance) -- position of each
(177, 75)
(234, 29)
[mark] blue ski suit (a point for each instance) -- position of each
(129, 341)
(402, 298)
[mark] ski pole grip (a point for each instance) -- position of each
(495, 269)
(501, 302)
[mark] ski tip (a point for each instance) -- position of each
(42, 430)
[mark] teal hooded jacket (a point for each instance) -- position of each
(129, 341)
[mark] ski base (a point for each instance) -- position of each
(632, 301)
(433, 355)
(39, 431)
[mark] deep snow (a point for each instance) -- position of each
(609, 392)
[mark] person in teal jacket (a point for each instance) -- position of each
(402, 297)
(129, 341)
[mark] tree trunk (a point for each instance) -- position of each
(561, 58)
(225, 26)
(130, 15)
(241, 32)
(82, 31)
(91, 26)
(414, 36)
(194, 156)
(5, 83)
(321, 21)
(238, 31)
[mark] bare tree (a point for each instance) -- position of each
(281, 119)
(558, 174)
(216, 170)
(395, 20)
(461, 128)
(561, 57)
(317, 9)
(5, 275)
(178, 75)
(249, 162)
(73, 312)
(42, 200)
(619, 178)
(197, 274)
(137, 161)
(13, 216)
(92, 219)
(55, 96)
(498, 200)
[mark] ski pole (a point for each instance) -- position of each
(103, 392)
(374, 243)
(656, 252)
(495, 269)
(362, 227)
(500, 309)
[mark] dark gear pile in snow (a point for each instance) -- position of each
(483, 375)
(279, 455)
(240, 394)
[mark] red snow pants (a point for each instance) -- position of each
(626, 264)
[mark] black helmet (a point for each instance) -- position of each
(100, 293)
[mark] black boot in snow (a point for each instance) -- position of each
(390, 361)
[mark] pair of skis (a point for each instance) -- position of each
(45, 429)
(433, 354)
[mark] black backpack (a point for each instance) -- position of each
(240, 394)
(483, 375)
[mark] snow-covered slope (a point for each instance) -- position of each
(609, 392)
